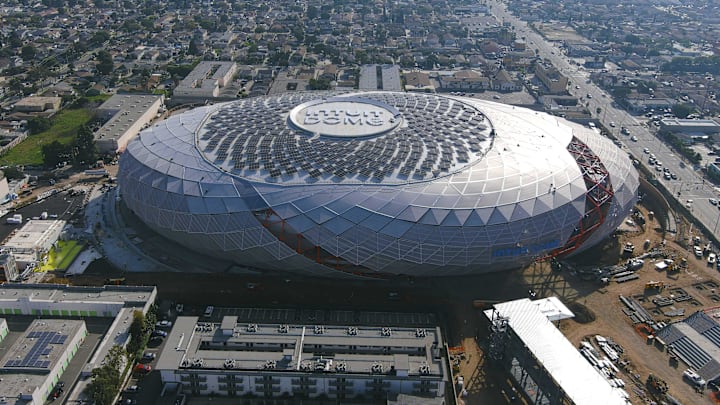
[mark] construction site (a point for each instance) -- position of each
(622, 294)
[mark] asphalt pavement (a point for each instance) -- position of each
(690, 184)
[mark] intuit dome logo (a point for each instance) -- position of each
(345, 117)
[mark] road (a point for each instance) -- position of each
(690, 183)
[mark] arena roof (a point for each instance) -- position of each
(370, 137)
(406, 182)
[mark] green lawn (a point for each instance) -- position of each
(65, 125)
(61, 257)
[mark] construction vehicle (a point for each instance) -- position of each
(654, 285)
(628, 249)
(657, 383)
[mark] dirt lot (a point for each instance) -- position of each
(697, 280)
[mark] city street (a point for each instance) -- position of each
(690, 183)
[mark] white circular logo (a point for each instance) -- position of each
(345, 117)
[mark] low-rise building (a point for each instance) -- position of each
(465, 80)
(32, 242)
(34, 363)
(689, 128)
(554, 81)
(206, 80)
(303, 361)
(126, 115)
(418, 82)
(380, 77)
(38, 104)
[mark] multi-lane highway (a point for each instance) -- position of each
(690, 188)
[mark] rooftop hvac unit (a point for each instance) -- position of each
(252, 327)
(270, 364)
(386, 331)
(376, 368)
(341, 367)
(352, 331)
(421, 333)
(319, 330)
(229, 363)
(283, 328)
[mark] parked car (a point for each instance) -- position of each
(712, 258)
(142, 368)
(132, 388)
(158, 332)
(164, 324)
(149, 356)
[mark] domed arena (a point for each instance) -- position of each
(376, 184)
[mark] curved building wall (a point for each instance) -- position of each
(516, 196)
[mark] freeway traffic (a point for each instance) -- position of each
(690, 187)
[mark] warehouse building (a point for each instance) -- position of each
(126, 115)
(37, 360)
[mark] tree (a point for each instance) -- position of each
(54, 153)
(137, 333)
(84, 146)
(12, 172)
(28, 52)
(682, 110)
(38, 124)
(106, 379)
(193, 49)
(104, 62)
(319, 84)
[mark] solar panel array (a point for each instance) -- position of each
(252, 138)
(36, 357)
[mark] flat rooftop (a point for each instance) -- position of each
(64, 293)
(580, 381)
(27, 363)
(296, 347)
(34, 234)
(127, 110)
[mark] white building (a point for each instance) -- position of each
(33, 241)
(206, 80)
(380, 77)
(33, 365)
(303, 361)
(31, 382)
(126, 115)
